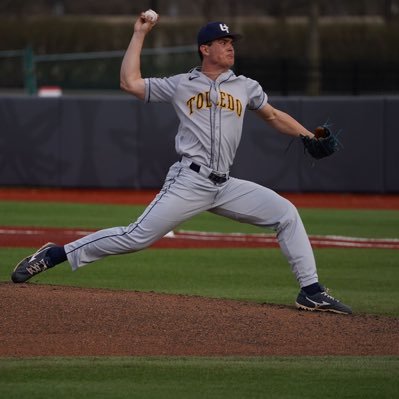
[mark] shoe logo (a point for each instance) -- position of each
(34, 256)
(193, 77)
(318, 304)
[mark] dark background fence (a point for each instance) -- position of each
(99, 72)
(120, 142)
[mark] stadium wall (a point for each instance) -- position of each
(120, 142)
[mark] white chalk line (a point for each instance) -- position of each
(328, 240)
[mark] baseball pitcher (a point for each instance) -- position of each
(210, 102)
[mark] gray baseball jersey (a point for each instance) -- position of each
(211, 113)
(211, 117)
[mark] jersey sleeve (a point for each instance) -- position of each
(257, 98)
(161, 89)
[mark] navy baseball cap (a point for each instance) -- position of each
(215, 30)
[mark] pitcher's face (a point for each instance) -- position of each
(220, 52)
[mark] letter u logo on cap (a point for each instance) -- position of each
(224, 28)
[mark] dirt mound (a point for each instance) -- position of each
(43, 320)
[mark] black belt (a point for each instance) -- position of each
(214, 177)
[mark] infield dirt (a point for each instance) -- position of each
(43, 320)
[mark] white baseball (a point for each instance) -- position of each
(151, 15)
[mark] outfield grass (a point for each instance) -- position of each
(282, 377)
(360, 223)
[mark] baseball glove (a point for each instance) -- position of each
(322, 145)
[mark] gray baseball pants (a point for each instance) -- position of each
(187, 193)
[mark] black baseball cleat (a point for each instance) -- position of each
(32, 265)
(322, 302)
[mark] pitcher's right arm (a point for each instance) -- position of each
(130, 74)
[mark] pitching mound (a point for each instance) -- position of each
(42, 320)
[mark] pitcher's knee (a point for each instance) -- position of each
(289, 216)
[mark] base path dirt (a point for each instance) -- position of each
(19, 236)
(42, 320)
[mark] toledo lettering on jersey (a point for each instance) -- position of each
(225, 100)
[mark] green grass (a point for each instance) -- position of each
(365, 279)
(283, 377)
(352, 222)
(361, 223)
(56, 214)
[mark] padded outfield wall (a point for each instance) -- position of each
(120, 142)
